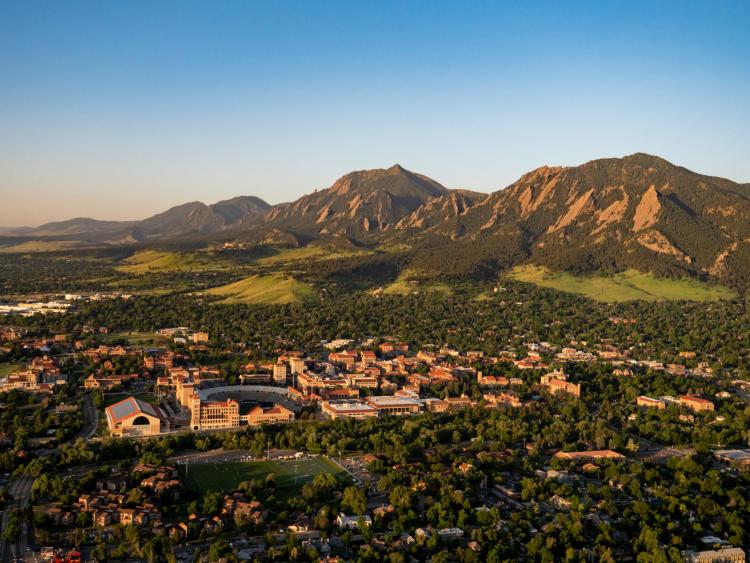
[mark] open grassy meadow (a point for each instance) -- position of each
(630, 285)
(274, 289)
(290, 476)
(147, 261)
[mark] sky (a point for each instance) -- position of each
(119, 110)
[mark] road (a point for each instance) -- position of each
(90, 419)
(21, 492)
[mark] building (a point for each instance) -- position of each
(734, 457)
(273, 415)
(393, 405)
(362, 381)
(199, 337)
(508, 399)
(208, 415)
(696, 403)
(555, 385)
(450, 533)
(347, 409)
(726, 555)
(346, 359)
(390, 347)
(590, 455)
(280, 373)
(134, 417)
(650, 402)
(345, 522)
(298, 365)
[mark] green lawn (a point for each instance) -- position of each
(274, 289)
(630, 285)
(147, 261)
(290, 475)
(7, 369)
(138, 338)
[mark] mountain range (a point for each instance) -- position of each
(610, 214)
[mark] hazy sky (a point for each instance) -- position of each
(118, 110)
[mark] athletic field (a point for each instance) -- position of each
(290, 475)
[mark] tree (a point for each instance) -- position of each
(400, 497)
(354, 500)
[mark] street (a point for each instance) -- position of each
(21, 492)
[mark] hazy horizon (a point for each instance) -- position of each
(118, 112)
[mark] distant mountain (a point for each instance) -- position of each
(635, 212)
(200, 219)
(77, 226)
(194, 218)
(359, 205)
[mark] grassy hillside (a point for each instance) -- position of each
(40, 246)
(148, 261)
(626, 286)
(408, 283)
(274, 289)
(316, 252)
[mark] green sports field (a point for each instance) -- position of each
(7, 369)
(290, 475)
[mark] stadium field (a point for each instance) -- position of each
(290, 476)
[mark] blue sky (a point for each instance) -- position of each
(118, 110)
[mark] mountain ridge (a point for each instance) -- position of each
(639, 211)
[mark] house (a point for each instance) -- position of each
(54, 514)
(127, 516)
(449, 534)
(102, 518)
(345, 522)
(213, 525)
(561, 503)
